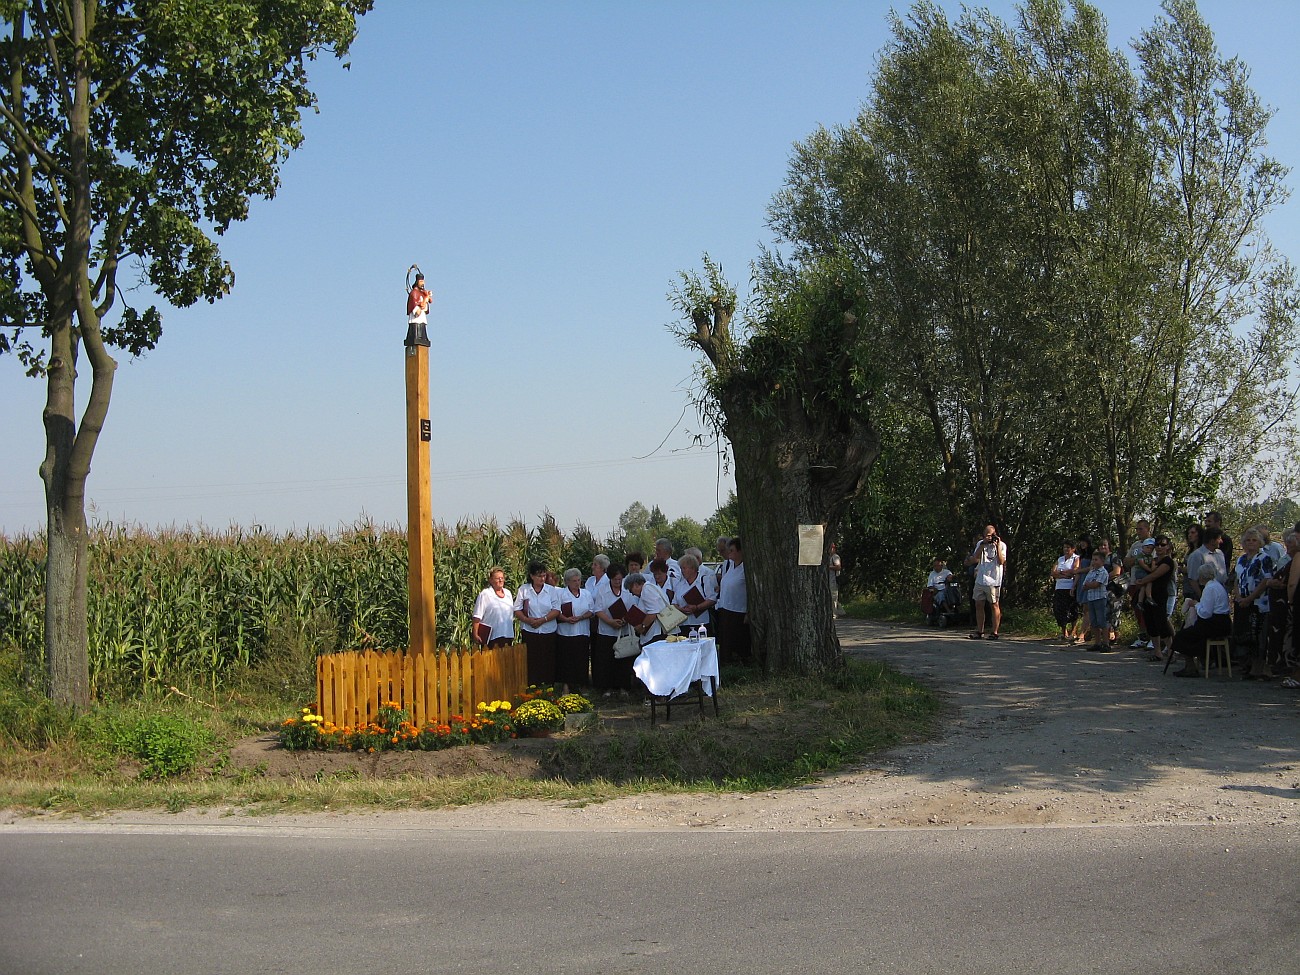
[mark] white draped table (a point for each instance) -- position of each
(669, 669)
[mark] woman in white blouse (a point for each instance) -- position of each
(494, 618)
(651, 601)
(1210, 620)
(573, 636)
(697, 592)
(610, 603)
(537, 607)
(733, 608)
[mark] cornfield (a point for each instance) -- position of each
(196, 605)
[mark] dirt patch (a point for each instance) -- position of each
(515, 759)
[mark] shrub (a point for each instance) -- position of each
(167, 744)
(538, 714)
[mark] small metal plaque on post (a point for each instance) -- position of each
(426, 431)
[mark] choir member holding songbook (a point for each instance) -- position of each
(644, 616)
(697, 591)
(610, 603)
(573, 638)
(537, 607)
(494, 618)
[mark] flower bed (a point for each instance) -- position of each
(539, 707)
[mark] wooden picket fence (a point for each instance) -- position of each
(431, 685)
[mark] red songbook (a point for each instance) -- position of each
(635, 616)
(693, 597)
(617, 609)
(566, 609)
(528, 608)
(481, 633)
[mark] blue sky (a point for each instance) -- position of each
(551, 167)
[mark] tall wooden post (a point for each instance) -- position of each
(419, 499)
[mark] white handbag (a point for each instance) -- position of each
(627, 645)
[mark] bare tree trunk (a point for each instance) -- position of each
(67, 657)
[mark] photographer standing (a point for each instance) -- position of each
(989, 559)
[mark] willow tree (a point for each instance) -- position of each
(789, 385)
(131, 133)
(1065, 255)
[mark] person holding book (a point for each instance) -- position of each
(659, 573)
(537, 607)
(610, 603)
(573, 633)
(644, 616)
(697, 592)
(494, 618)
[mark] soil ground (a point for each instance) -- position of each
(1039, 735)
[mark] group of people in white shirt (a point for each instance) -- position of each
(570, 628)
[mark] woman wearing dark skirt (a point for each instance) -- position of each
(607, 672)
(573, 637)
(1211, 620)
(537, 607)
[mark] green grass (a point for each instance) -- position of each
(171, 752)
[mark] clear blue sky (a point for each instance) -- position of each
(551, 167)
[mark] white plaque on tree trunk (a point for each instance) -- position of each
(810, 544)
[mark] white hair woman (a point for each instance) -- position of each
(1212, 620)
(697, 592)
(573, 639)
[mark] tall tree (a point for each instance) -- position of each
(789, 385)
(131, 133)
(1065, 257)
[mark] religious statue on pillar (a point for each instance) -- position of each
(418, 300)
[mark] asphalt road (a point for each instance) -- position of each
(238, 898)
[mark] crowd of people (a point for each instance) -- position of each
(1179, 601)
(1180, 593)
(570, 625)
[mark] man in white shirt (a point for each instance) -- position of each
(989, 559)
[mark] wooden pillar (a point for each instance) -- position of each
(419, 501)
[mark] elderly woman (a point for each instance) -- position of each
(1211, 620)
(599, 566)
(650, 600)
(697, 592)
(494, 620)
(537, 607)
(610, 604)
(573, 634)
(1255, 570)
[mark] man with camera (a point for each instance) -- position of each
(989, 559)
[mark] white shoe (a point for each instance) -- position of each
(1138, 644)
(1150, 645)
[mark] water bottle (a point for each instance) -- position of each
(704, 632)
(695, 635)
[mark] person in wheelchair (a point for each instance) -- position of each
(940, 595)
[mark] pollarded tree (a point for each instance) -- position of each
(131, 132)
(791, 392)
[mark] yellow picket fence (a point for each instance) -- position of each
(431, 686)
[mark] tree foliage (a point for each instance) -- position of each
(790, 384)
(1065, 254)
(132, 133)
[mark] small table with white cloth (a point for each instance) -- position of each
(669, 670)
